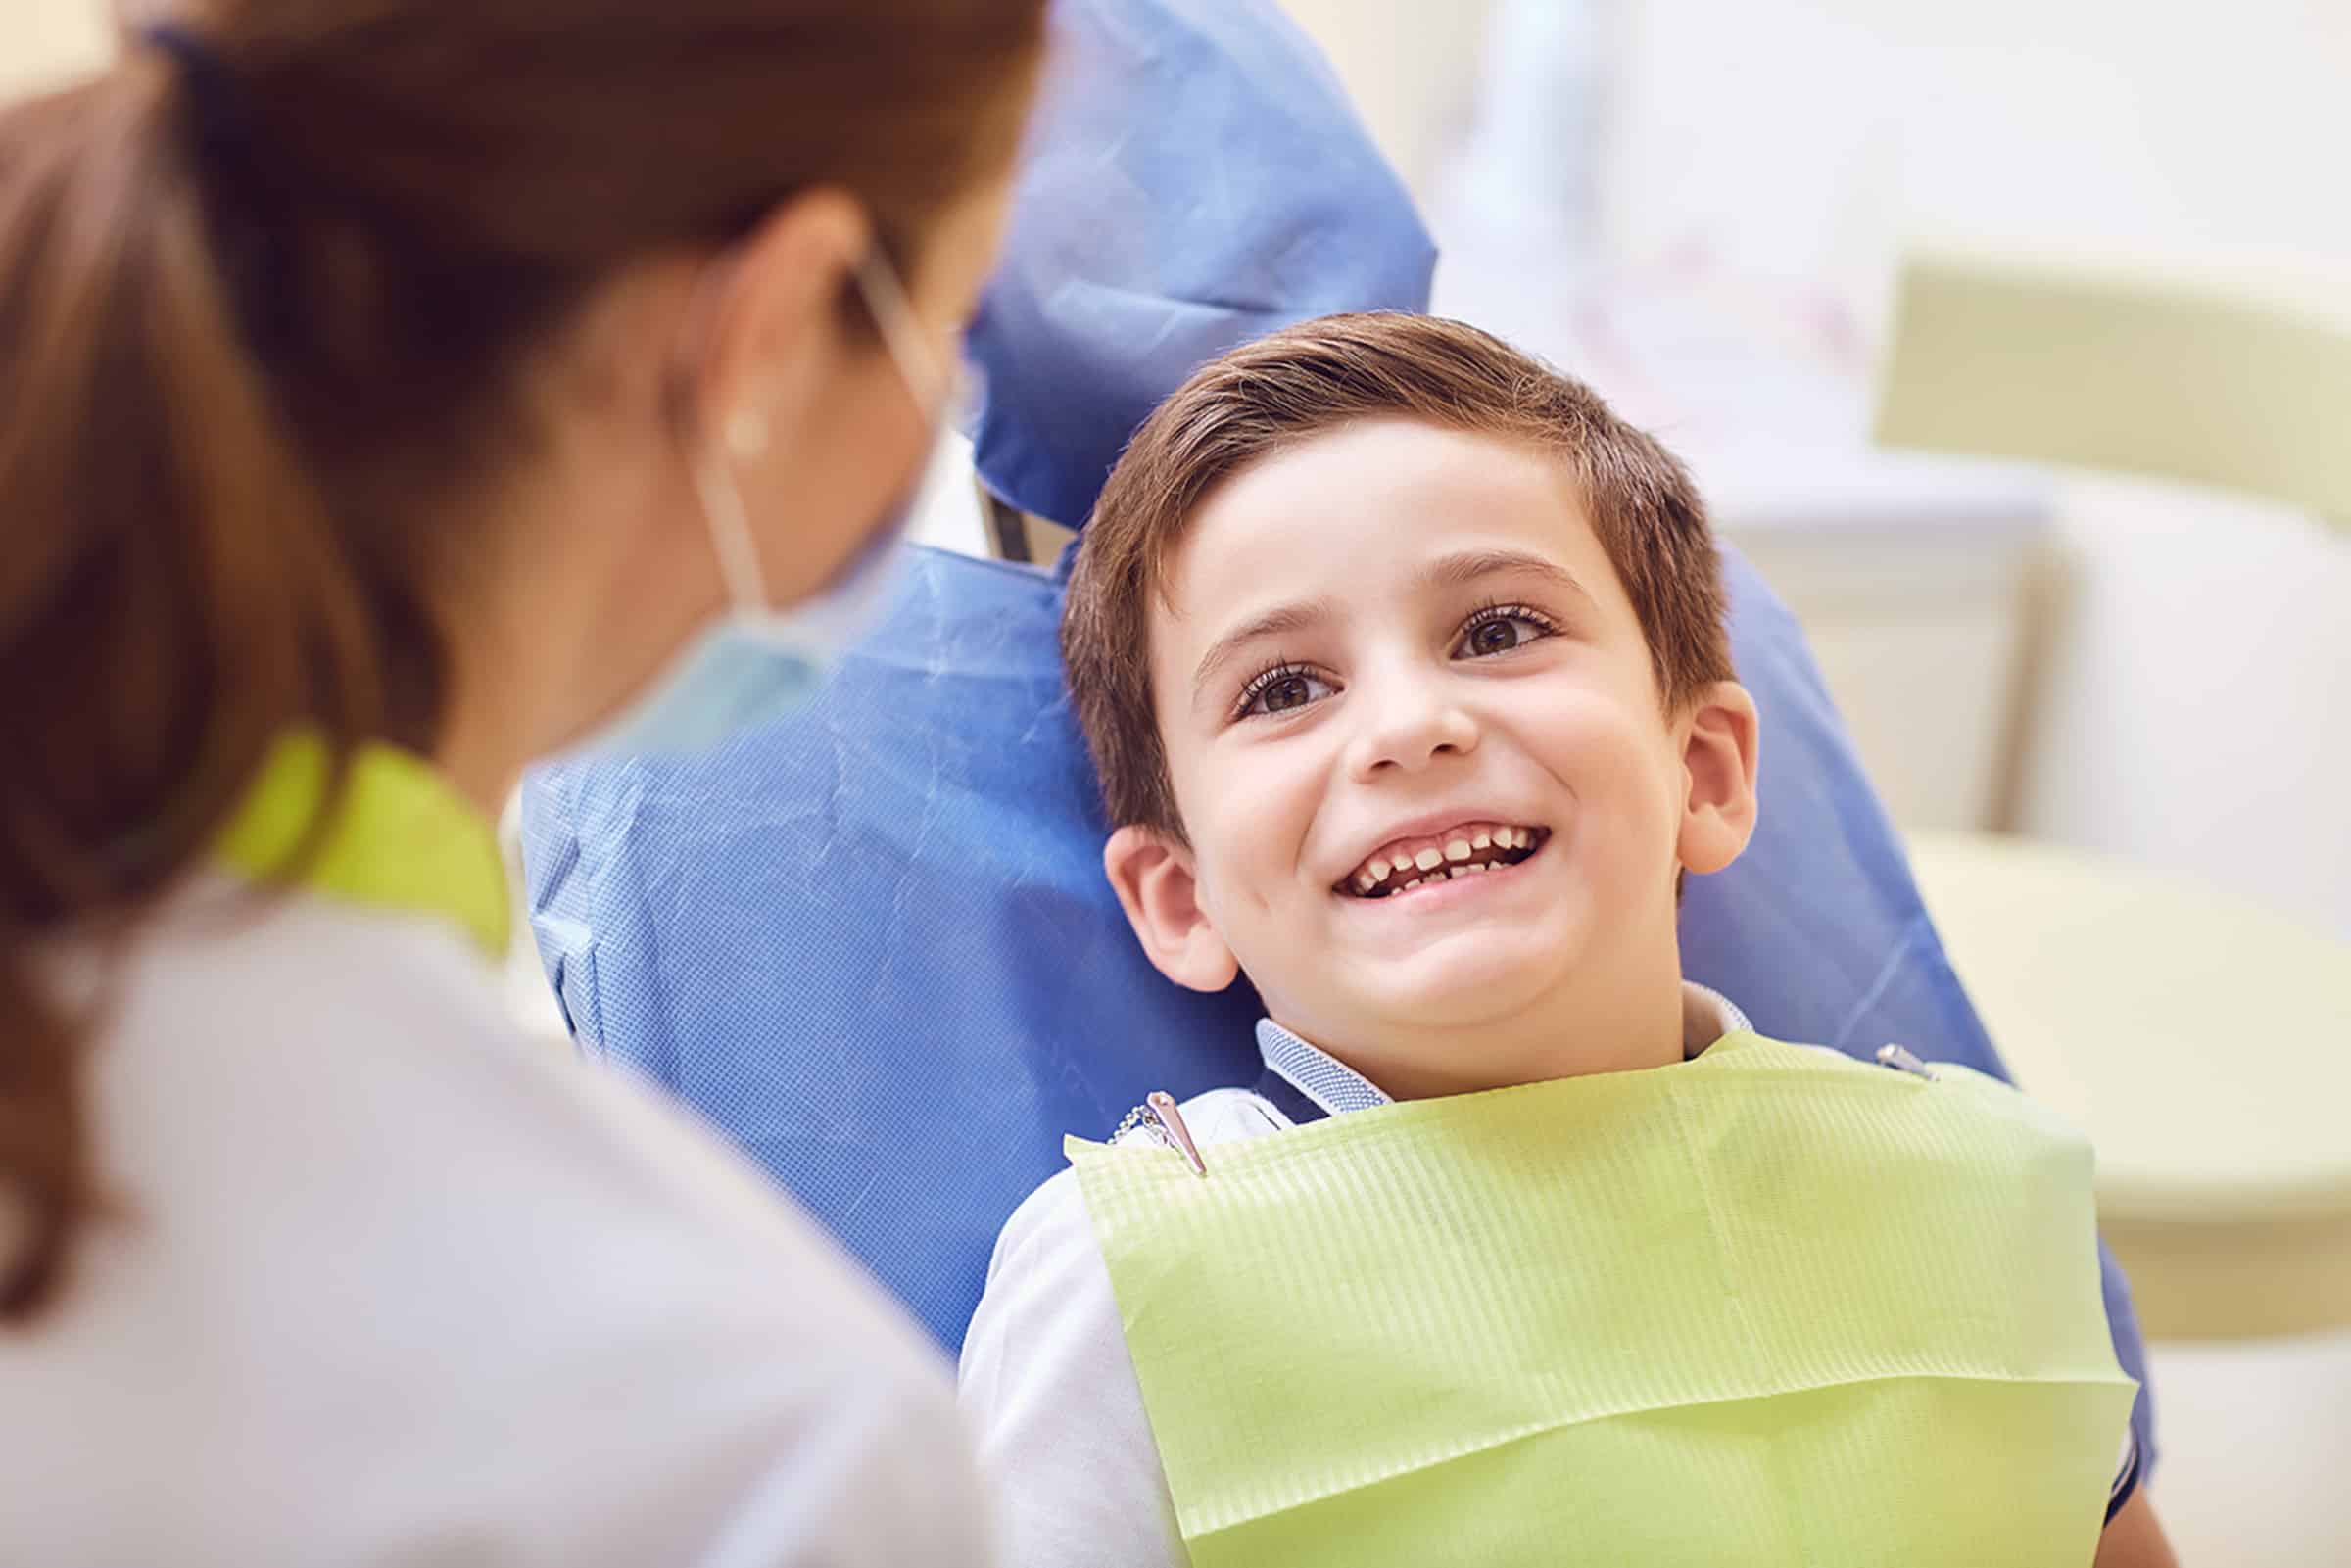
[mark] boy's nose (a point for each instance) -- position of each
(1409, 727)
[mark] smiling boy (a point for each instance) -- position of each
(1402, 662)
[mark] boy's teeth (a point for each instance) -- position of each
(1471, 849)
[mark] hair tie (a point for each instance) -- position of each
(217, 108)
(242, 195)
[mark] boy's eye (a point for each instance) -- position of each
(1283, 691)
(1499, 630)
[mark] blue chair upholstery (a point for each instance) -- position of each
(873, 943)
(1196, 180)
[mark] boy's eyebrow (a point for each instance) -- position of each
(1469, 566)
(1285, 621)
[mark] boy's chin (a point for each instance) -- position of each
(1475, 985)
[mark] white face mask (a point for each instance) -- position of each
(758, 662)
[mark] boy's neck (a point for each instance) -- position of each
(1630, 1030)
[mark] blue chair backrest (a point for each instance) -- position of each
(873, 943)
(1194, 179)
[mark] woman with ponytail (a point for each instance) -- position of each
(392, 392)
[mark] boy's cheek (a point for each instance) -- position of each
(1249, 839)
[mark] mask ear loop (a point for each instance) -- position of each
(903, 333)
(724, 516)
(723, 510)
(729, 525)
(940, 393)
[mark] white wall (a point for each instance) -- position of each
(1409, 65)
(1807, 131)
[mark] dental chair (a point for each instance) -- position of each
(2196, 1036)
(873, 943)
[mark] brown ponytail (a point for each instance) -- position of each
(257, 317)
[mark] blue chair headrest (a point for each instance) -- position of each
(1193, 179)
(874, 943)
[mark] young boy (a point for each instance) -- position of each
(1404, 667)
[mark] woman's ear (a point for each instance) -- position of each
(1153, 876)
(770, 333)
(1719, 772)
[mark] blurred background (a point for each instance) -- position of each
(2111, 708)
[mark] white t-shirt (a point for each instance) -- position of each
(393, 1284)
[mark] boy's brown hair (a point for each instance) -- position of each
(1292, 385)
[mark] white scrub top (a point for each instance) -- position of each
(393, 1284)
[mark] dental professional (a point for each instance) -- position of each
(393, 392)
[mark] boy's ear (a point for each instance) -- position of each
(1718, 771)
(1153, 875)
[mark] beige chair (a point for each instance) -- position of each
(2234, 377)
(2204, 1043)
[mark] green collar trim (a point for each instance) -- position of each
(401, 837)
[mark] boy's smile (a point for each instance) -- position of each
(1434, 804)
(1407, 861)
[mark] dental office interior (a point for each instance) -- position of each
(2012, 344)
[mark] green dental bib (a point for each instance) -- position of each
(1768, 1307)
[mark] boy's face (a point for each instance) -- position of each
(1393, 640)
